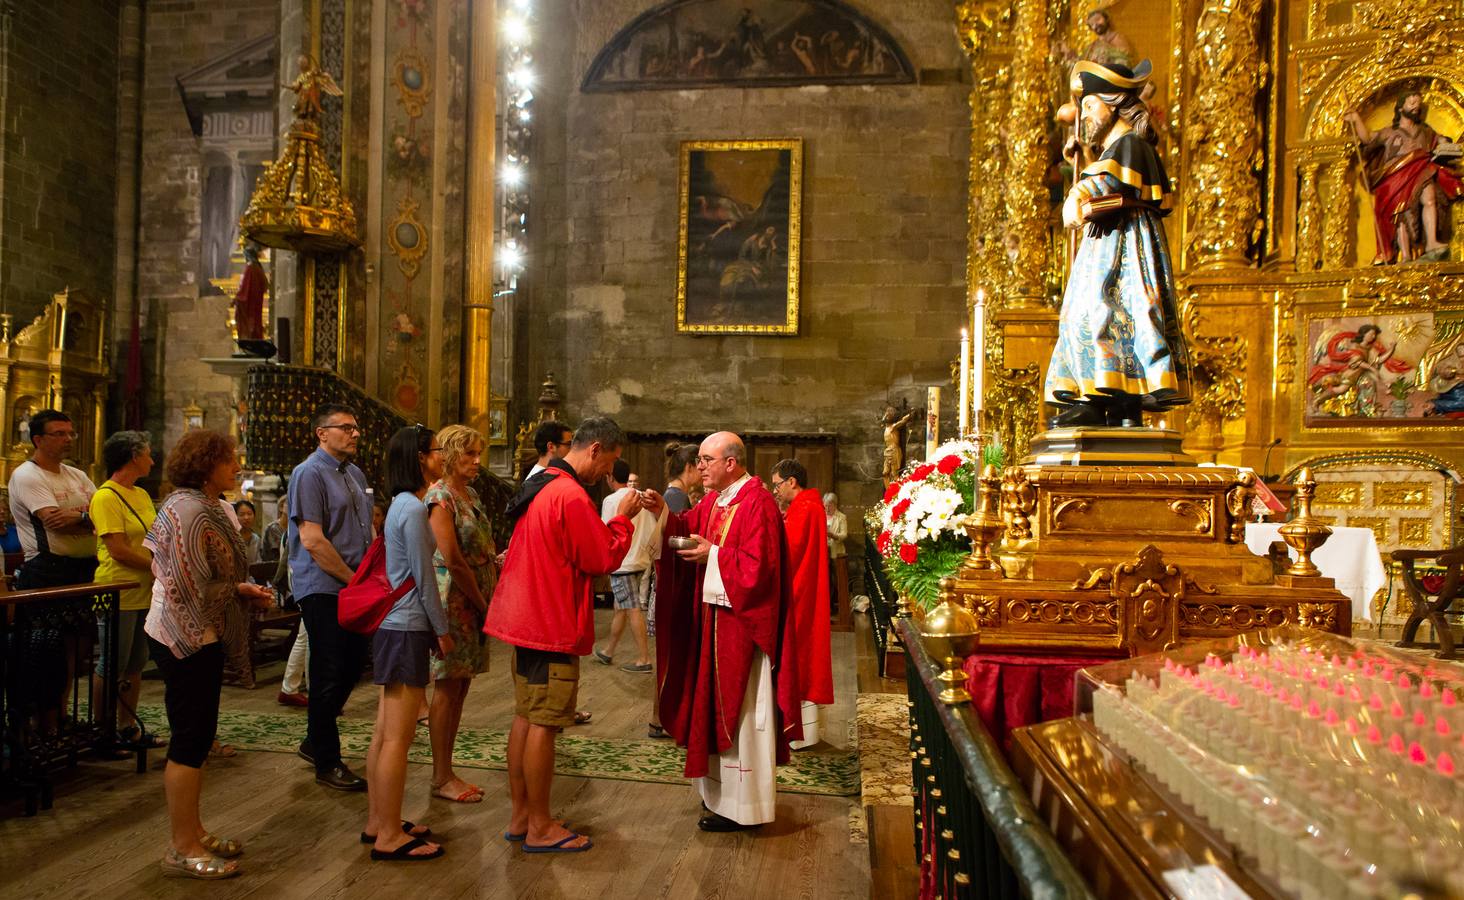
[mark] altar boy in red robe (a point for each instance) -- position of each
(728, 688)
(808, 558)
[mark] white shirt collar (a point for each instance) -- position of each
(725, 497)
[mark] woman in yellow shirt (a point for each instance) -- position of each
(123, 513)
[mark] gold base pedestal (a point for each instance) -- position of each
(1092, 445)
(1126, 560)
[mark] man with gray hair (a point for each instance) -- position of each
(543, 609)
(728, 664)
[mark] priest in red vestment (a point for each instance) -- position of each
(808, 557)
(249, 301)
(725, 653)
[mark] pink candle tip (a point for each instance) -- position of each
(1395, 743)
(1374, 734)
(1332, 717)
(1416, 754)
(1441, 726)
(1404, 682)
(1445, 763)
(1448, 698)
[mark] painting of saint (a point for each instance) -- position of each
(740, 43)
(1367, 369)
(739, 240)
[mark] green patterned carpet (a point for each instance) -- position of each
(831, 772)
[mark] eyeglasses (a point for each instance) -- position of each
(59, 434)
(347, 429)
(778, 484)
(708, 460)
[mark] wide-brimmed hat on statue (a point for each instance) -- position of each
(1111, 78)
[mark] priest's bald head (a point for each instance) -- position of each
(721, 460)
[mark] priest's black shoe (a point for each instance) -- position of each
(340, 778)
(710, 821)
(304, 753)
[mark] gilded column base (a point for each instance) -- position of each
(1130, 560)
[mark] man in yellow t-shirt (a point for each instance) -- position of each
(123, 513)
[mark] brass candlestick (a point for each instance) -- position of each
(1305, 533)
(983, 526)
(950, 634)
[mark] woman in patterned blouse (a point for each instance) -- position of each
(197, 621)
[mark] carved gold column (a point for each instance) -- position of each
(1027, 204)
(1308, 219)
(1337, 220)
(1223, 204)
(478, 298)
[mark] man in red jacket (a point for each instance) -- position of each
(543, 609)
(808, 557)
(728, 681)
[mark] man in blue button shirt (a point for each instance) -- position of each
(330, 528)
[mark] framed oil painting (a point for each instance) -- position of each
(1389, 370)
(737, 255)
(498, 421)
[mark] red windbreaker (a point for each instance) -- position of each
(543, 596)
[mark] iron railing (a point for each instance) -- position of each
(977, 833)
(277, 434)
(882, 597)
(49, 724)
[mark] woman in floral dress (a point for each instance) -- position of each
(466, 574)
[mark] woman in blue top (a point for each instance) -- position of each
(415, 628)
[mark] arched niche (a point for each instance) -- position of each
(685, 44)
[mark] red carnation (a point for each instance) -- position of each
(909, 553)
(949, 464)
(922, 472)
(891, 491)
(882, 543)
(898, 510)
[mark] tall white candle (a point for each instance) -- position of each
(932, 420)
(978, 331)
(963, 418)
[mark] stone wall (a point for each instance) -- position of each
(883, 252)
(58, 167)
(182, 325)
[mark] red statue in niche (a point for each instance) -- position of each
(249, 301)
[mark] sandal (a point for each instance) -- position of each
(134, 735)
(473, 794)
(223, 751)
(581, 717)
(204, 868)
(224, 848)
(656, 731)
(404, 852)
(407, 828)
(559, 846)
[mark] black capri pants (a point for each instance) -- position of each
(191, 688)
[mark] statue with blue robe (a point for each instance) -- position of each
(1120, 351)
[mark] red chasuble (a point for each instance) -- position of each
(704, 652)
(808, 555)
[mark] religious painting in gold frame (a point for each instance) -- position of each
(738, 248)
(1400, 368)
(498, 421)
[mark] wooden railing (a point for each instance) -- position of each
(976, 832)
(48, 723)
(277, 436)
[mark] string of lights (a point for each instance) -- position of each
(517, 132)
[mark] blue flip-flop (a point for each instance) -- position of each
(558, 846)
(513, 837)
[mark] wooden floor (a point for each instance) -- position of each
(108, 829)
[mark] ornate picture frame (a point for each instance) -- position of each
(739, 238)
(497, 425)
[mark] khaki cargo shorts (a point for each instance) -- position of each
(545, 686)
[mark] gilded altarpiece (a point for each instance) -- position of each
(1272, 234)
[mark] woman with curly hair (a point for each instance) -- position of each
(196, 623)
(466, 574)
